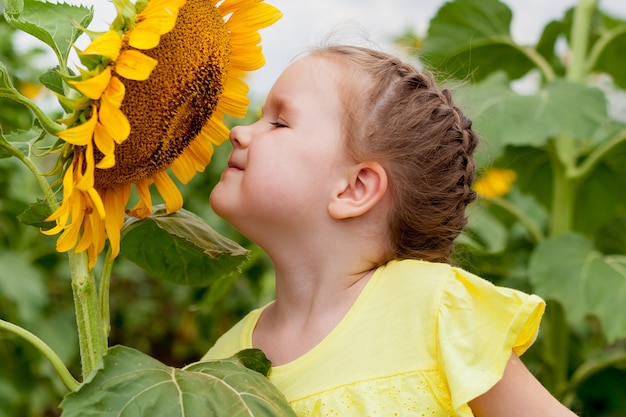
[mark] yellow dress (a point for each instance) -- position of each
(422, 339)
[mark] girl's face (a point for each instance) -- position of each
(284, 168)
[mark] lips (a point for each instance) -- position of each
(232, 163)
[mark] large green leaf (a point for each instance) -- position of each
(569, 270)
(53, 24)
(180, 248)
(471, 38)
(22, 284)
(130, 383)
(503, 117)
(484, 232)
(611, 58)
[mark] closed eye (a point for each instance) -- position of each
(277, 124)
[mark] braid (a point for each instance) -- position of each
(403, 121)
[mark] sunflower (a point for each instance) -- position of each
(152, 97)
(495, 182)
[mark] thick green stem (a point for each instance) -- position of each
(41, 180)
(103, 292)
(563, 199)
(580, 39)
(91, 334)
(66, 377)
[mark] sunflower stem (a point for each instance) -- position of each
(91, 334)
(66, 377)
(51, 200)
(103, 292)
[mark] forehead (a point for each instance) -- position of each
(308, 79)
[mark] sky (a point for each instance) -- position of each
(306, 23)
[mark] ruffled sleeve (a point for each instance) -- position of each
(479, 324)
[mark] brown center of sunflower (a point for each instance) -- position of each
(167, 111)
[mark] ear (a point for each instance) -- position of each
(365, 186)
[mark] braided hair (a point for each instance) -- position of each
(397, 116)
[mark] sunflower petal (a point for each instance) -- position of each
(115, 200)
(97, 202)
(105, 144)
(108, 44)
(69, 237)
(135, 65)
(144, 206)
(81, 134)
(184, 167)
(168, 190)
(85, 180)
(93, 87)
(114, 121)
(143, 38)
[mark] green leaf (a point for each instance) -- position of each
(503, 117)
(52, 80)
(180, 248)
(36, 214)
(22, 284)
(611, 58)
(130, 383)
(19, 143)
(471, 38)
(53, 24)
(486, 232)
(569, 270)
(612, 237)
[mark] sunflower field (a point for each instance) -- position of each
(155, 287)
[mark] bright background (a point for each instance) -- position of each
(306, 23)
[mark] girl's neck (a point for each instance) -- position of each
(306, 310)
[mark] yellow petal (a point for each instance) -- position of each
(108, 44)
(68, 238)
(87, 238)
(235, 100)
(81, 134)
(143, 38)
(94, 87)
(104, 142)
(114, 92)
(114, 121)
(144, 206)
(184, 167)
(108, 161)
(496, 182)
(135, 65)
(115, 200)
(96, 202)
(168, 190)
(85, 180)
(215, 131)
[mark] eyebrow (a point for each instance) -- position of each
(282, 104)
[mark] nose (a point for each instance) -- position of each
(240, 136)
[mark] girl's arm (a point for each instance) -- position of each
(518, 394)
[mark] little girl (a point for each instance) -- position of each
(355, 182)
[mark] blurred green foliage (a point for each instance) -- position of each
(176, 324)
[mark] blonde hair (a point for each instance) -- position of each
(397, 116)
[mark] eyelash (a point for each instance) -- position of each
(277, 124)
